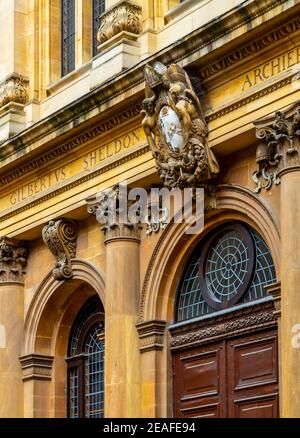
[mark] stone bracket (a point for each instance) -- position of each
(60, 237)
(274, 290)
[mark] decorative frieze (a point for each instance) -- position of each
(227, 325)
(151, 334)
(279, 149)
(60, 237)
(13, 260)
(14, 89)
(36, 366)
(126, 16)
(175, 128)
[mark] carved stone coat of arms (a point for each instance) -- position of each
(175, 128)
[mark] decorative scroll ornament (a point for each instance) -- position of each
(13, 260)
(175, 128)
(126, 16)
(60, 237)
(14, 89)
(279, 150)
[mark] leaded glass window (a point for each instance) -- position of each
(231, 266)
(68, 36)
(86, 363)
(98, 10)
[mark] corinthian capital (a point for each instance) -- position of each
(279, 149)
(13, 260)
(60, 237)
(111, 209)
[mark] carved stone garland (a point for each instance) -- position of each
(175, 128)
(279, 149)
(13, 260)
(60, 237)
(125, 16)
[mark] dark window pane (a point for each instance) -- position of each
(68, 36)
(98, 9)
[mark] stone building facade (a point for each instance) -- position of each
(132, 322)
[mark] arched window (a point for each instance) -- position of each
(231, 266)
(86, 362)
(68, 36)
(98, 10)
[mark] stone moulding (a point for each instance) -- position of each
(151, 334)
(231, 324)
(77, 141)
(124, 17)
(60, 237)
(36, 366)
(14, 89)
(13, 260)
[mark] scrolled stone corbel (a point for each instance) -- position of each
(60, 237)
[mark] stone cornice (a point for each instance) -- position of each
(179, 51)
(36, 366)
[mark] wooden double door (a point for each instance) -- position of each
(236, 378)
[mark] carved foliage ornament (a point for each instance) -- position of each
(279, 149)
(13, 260)
(125, 16)
(60, 237)
(175, 128)
(14, 89)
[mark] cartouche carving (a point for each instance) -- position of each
(176, 129)
(14, 89)
(125, 16)
(279, 149)
(60, 237)
(13, 260)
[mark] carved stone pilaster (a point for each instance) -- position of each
(14, 89)
(274, 290)
(126, 16)
(279, 150)
(151, 335)
(36, 366)
(13, 260)
(109, 211)
(60, 237)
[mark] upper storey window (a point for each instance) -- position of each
(98, 10)
(68, 36)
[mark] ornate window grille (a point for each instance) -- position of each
(86, 363)
(231, 266)
(68, 36)
(98, 10)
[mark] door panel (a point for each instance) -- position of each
(253, 374)
(235, 378)
(200, 376)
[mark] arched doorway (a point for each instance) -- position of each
(85, 362)
(224, 340)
